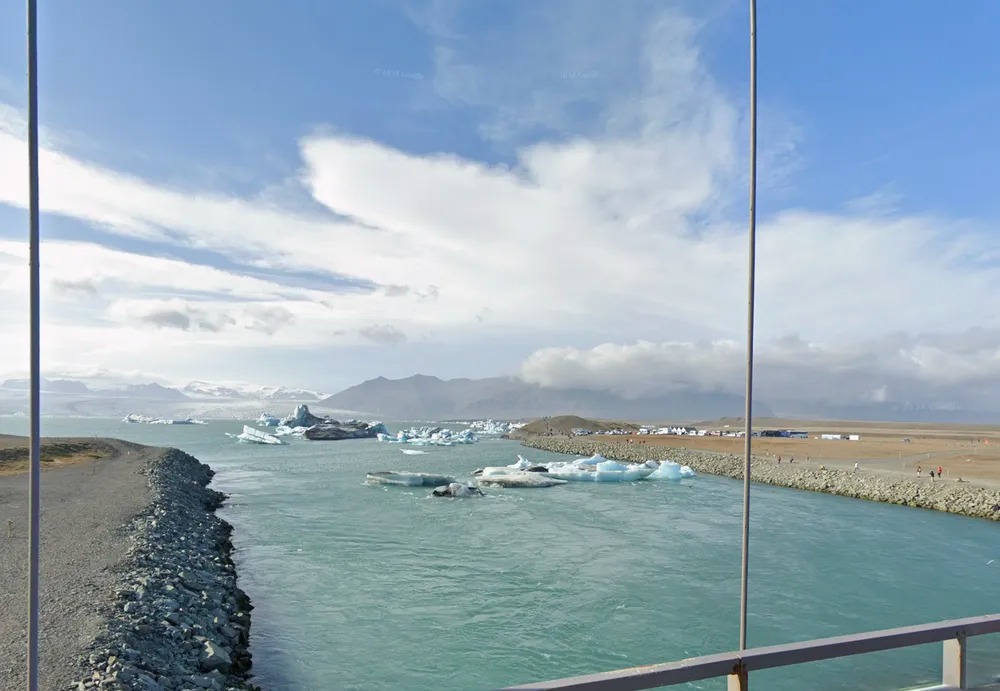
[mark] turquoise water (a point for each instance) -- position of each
(360, 587)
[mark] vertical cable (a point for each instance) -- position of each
(748, 413)
(34, 487)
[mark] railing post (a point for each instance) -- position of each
(953, 663)
(737, 680)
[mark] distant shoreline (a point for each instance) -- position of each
(962, 498)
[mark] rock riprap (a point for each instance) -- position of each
(962, 498)
(177, 619)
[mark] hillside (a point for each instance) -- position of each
(421, 397)
(565, 424)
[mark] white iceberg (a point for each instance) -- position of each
(671, 470)
(255, 436)
(392, 477)
(429, 436)
(522, 463)
(495, 427)
(286, 431)
(456, 489)
(518, 478)
(602, 471)
(414, 452)
(268, 420)
(142, 419)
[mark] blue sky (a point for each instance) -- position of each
(390, 134)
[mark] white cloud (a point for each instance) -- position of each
(955, 370)
(614, 226)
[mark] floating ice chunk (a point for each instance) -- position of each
(456, 489)
(518, 478)
(522, 463)
(593, 460)
(671, 470)
(495, 426)
(414, 452)
(255, 436)
(430, 436)
(268, 420)
(286, 431)
(133, 418)
(392, 477)
(603, 471)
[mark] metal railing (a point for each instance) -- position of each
(736, 666)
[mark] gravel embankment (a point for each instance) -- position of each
(84, 510)
(138, 588)
(961, 498)
(178, 619)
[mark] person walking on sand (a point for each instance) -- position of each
(918, 471)
(779, 460)
(940, 473)
(856, 468)
(932, 476)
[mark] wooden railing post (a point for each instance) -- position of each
(953, 663)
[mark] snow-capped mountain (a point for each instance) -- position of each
(207, 390)
(281, 393)
(203, 389)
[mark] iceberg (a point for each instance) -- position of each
(602, 471)
(522, 463)
(518, 478)
(414, 452)
(254, 436)
(286, 431)
(455, 489)
(495, 427)
(142, 419)
(428, 436)
(671, 470)
(268, 420)
(392, 477)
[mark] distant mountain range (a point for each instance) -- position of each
(196, 399)
(424, 397)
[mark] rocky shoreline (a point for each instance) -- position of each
(176, 618)
(963, 498)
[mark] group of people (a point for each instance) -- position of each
(940, 472)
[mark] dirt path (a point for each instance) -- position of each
(85, 505)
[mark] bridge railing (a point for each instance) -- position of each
(737, 666)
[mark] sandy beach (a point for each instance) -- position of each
(91, 490)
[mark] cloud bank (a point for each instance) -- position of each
(618, 227)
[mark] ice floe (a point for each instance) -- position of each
(671, 470)
(495, 427)
(392, 477)
(268, 420)
(142, 419)
(518, 478)
(254, 436)
(456, 489)
(594, 468)
(429, 436)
